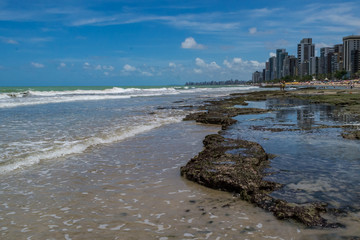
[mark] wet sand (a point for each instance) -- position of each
(131, 190)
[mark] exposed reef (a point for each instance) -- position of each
(237, 165)
(352, 135)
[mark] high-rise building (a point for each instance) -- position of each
(314, 66)
(355, 61)
(293, 66)
(272, 63)
(325, 59)
(350, 44)
(267, 72)
(286, 66)
(338, 57)
(305, 51)
(257, 77)
(280, 55)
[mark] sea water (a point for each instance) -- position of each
(103, 163)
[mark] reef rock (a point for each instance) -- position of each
(237, 166)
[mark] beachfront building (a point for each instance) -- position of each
(339, 53)
(355, 61)
(325, 59)
(314, 66)
(289, 66)
(272, 62)
(280, 55)
(305, 51)
(267, 72)
(351, 46)
(257, 77)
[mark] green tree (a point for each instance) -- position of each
(357, 74)
(340, 74)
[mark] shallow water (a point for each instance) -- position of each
(314, 163)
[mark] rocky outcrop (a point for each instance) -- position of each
(352, 135)
(221, 116)
(237, 166)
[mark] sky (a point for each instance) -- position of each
(158, 42)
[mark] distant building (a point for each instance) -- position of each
(272, 68)
(355, 61)
(305, 51)
(280, 55)
(351, 44)
(337, 61)
(267, 72)
(314, 66)
(325, 59)
(257, 77)
(293, 66)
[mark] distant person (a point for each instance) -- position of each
(282, 85)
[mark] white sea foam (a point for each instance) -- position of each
(4, 96)
(31, 97)
(62, 99)
(115, 90)
(79, 146)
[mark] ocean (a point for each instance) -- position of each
(103, 163)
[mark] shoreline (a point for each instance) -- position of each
(237, 166)
(355, 83)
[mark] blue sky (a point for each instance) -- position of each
(148, 42)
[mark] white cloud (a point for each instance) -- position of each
(61, 65)
(211, 66)
(108, 68)
(172, 65)
(11, 41)
(271, 54)
(198, 71)
(252, 30)
(86, 65)
(37, 65)
(129, 68)
(190, 43)
(238, 64)
(227, 63)
(148, 74)
(104, 67)
(321, 45)
(8, 40)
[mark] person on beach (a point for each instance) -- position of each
(282, 85)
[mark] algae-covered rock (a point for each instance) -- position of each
(353, 135)
(237, 166)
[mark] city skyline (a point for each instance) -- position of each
(337, 61)
(129, 43)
